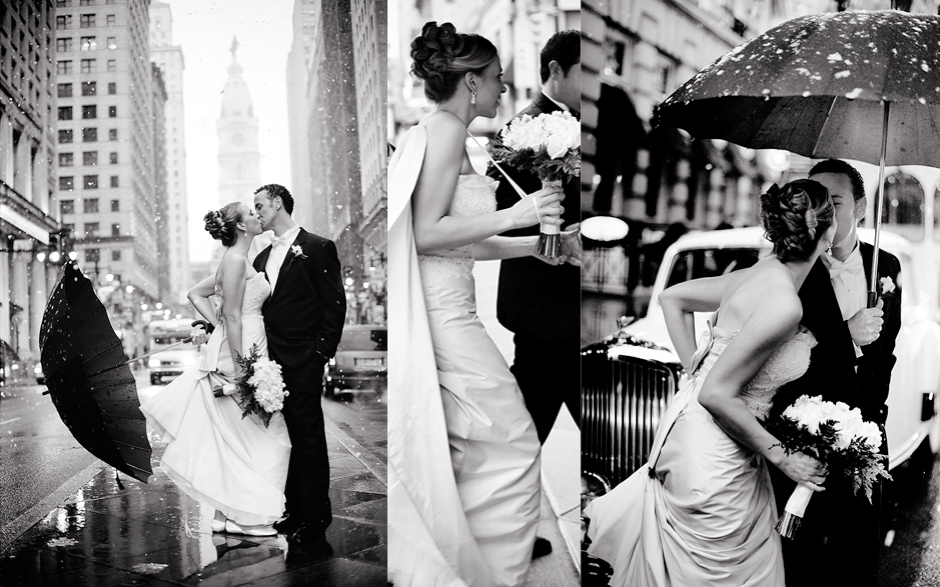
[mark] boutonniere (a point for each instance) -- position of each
(297, 252)
(887, 286)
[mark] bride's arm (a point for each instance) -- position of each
(496, 248)
(774, 319)
(434, 229)
(199, 297)
(679, 304)
(232, 274)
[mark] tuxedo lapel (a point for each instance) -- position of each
(285, 266)
(261, 261)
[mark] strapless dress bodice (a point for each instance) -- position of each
(475, 195)
(257, 290)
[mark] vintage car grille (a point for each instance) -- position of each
(622, 400)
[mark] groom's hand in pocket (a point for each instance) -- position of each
(865, 325)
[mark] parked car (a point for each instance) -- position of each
(628, 378)
(361, 361)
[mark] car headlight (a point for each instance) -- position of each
(153, 363)
(37, 370)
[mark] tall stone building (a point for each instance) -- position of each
(169, 58)
(162, 219)
(106, 188)
(237, 127)
(28, 208)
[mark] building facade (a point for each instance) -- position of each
(169, 58)
(162, 219)
(105, 135)
(310, 212)
(237, 127)
(29, 227)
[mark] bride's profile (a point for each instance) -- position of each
(236, 465)
(701, 510)
(463, 451)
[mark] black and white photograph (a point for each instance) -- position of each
(193, 314)
(484, 256)
(759, 400)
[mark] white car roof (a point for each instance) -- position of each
(753, 236)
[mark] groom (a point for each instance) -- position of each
(303, 318)
(839, 540)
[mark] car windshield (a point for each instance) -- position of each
(696, 263)
(364, 340)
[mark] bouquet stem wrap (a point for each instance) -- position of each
(549, 235)
(789, 522)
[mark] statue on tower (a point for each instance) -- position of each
(234, 46)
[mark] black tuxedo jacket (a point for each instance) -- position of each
(304, 315)
(536, 299)
(831, 372)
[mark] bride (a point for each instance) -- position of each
(236, 466)
(463, 452)
(701, 511)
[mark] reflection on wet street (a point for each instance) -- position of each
(123, 532)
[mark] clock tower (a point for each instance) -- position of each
(238, 139)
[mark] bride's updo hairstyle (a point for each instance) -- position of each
(795, 217)
(221, 223)
(442, 56)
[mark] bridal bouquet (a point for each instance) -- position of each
(260, 390)
(548, 145)
(834, 434)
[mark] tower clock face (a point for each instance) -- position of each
(238, 139)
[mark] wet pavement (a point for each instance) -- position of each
(124, 532)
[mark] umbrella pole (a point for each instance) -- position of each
(141, 357)
(879, 204)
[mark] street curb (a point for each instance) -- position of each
(374, 464)
(574, 550)
(23, 522)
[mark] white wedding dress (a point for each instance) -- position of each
(464, 490)
(233, 464)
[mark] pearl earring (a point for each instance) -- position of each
(473, 97)
(829, 247)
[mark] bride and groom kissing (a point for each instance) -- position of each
(290, 304)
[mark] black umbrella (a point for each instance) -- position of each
(859, 85)
(91, 385)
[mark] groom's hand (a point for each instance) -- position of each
(865, 325)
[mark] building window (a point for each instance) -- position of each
(112, 134)
(114, 182)
(67, 206)
(114, 158)
(115, 205)
(89, 88)
(91, 206)
(89, 135)
(112, 111)
(67, 183)
(65, 136)
(65, 113)
(90, 182)
(112, 88)
(63, 22)
(89, 44)
(63, 44)
(115, 230)
(116, 256)
(64, 90)
(90, 158)
(86, 2)
(112, 64)
(89, 111)
(112, 42)
(88, 66)
(66, 159)
(87, 21)
(92, 255)
(63, 3)
(91, 229)
(111, 20)
(63, 67)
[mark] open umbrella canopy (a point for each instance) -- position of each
(91, 386)
(815, 86)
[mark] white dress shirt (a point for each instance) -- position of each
(280, 246)
(848, 283)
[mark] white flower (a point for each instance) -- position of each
(887, 285)
(298, 252)
(268, 385)
(556, 147)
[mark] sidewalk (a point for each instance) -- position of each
(106, 534)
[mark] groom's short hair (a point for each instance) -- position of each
(563, 47)
(840, 166)
(275, 190)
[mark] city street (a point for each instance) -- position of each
(74, 523)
